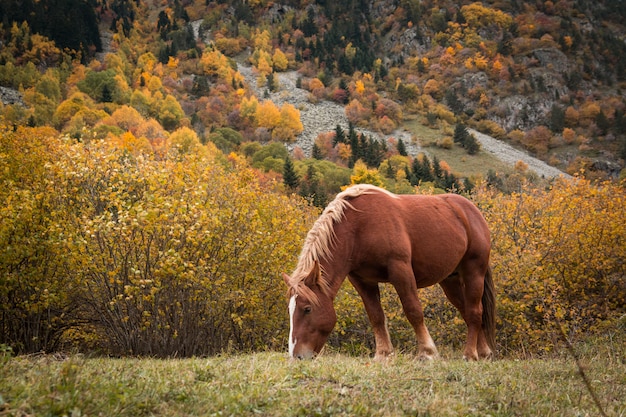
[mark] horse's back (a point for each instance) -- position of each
(435, 233)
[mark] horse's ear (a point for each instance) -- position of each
(314, 276)
(287, 279)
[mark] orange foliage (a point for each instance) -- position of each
(571, 116)
(356, 112)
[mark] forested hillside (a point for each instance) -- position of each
(146, 181)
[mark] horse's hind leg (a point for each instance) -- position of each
(402, 278)
(454, 289)
(370, 294)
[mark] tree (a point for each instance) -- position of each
(280, 60)
(557, 118)
(460, 134)
(401, 148)
(170, 113)
(437, 171)
(340, 136)
(290, 178)
(465, 139)
(363, 175)
(312, 189)
(38, 301)
(289, 125)
(126, 118)
(471, 145)
(316, 152)
(267, 115)
(421, 170)
(100, 85)
(184, 141)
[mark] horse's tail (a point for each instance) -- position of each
(489, 310)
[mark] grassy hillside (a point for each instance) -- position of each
(268, 384)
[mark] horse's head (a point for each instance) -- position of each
(311, 314)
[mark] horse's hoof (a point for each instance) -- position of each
(428, 355)
(383, 357)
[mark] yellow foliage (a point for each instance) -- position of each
(267, 115)
(248, 107)
(496, 67)
(153, 256)
(129, 143)
(172, 62)
(556, 257)
(126, 118)
(568, 41)
(477, 15)
(264, 63)
(262, 41)
(289, 125)
(432, 88)
(216, 64)
(350, 51)
(281, 63)
(359, 87)
(480, 62)
(184, 141)
(363, 175)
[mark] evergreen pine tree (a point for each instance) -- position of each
(557, 118)
(271, 82)
(471, 145)
(401, 148)
(107, 96)
(290, 178)
(437, 171)
(353, 140)
(427, 170)
(416, 169)
(602, 122)
(460, 134)
(340, 136)
(316, 153)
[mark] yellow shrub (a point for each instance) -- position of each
(557, 259)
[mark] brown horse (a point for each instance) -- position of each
(371, 236)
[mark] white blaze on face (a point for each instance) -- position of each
(292, 312)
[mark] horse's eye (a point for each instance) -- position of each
(307, 309)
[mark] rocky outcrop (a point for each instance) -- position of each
(10, 96)
(320, 117)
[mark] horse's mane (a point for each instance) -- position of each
(320, 240)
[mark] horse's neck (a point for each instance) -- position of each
(335, 272)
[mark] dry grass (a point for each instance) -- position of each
(268, 384)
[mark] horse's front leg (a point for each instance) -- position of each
(370, 294)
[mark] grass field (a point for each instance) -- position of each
(268, 384)
(459, 160)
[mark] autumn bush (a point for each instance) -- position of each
(558, 260)
(137, 255)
